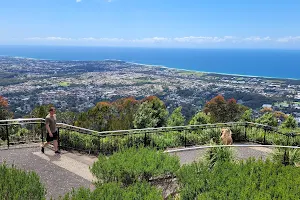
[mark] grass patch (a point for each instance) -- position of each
(64, 84)
(199, 74)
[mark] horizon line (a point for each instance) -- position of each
(153, 47)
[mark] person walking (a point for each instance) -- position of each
(52, 133)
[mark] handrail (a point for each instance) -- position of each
(235, 145)
(21, 121)
(147, 130)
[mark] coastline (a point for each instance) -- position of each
(159, 66)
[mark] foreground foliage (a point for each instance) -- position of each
(286, 156)
(111, 191)
(244, 180)
(16, 184)
(163, 140)
(133, 165)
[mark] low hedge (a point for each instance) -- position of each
(243, 180)
(16, 184)
(109, 144)
(111, 191)
(133, 165)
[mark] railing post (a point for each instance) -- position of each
(245, 131)
(286, 155)
(58, 139)
(145, 139)
(7, 135)
(184, 138)
(265, 135)
(42, 132)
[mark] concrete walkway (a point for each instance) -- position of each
(58, 173)
(188, 156)
(61, 174)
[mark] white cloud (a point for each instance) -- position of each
(150, 40)
(289, 39)
(49, 38)
(176, 41)
(78, 1)
(204, 39)
(258, 39)
(101, 39)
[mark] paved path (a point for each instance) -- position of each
(188, 156)
(59, 173)
(62, 173)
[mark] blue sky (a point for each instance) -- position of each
(153, 23)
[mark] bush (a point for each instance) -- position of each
(109, 144)
(138, 191)
(244, 180)
(132, 165)
(217, 155)
(286, 156)
(17, 184)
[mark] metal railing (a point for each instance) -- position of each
(247, 131)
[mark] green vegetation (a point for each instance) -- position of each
(16, 184)
(195, 73)
(268, 119)
(176, 118)
(289, 123)
(163, 140)
(217, 176)
(111, 191)
(218, 155)
(4, 113)
(200, 118)
(126, 175)
(134, 164)
(221, 110)
(243, 180)
(64, 84)
(282, 104)
(287, 156)
(151, 113)
(109, 144)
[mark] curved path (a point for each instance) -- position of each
(61, 174)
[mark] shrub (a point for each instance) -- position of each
(134, 164)
(244, 180)
(108, 191)
(218, 155)
(17, 184)
(286, 156)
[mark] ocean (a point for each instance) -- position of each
(251, 62)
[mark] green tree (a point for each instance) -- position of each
(221, 110)
(200, 118)
(100, 115)
(151, 113)
(290, 122)
(176, 118)
(67, 117)
(40, 111)
(247, 116)
(268, 119)
(216, 108)
(125, 109)
(83, 120)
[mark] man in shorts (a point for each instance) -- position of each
(52, 134)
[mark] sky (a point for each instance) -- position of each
(152, 23)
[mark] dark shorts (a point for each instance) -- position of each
(55, 137)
